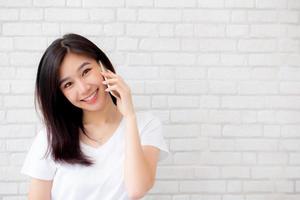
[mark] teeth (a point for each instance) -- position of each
(90, 97)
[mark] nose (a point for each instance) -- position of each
(83, 87)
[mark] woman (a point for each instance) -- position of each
(94, 145)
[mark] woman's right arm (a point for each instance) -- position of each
(39, 189)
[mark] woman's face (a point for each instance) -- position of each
(81, 82)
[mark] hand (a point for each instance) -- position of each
(124, 99)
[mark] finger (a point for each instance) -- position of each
(115, 95)
(112, 90)
(112, 87)
(109, 74)
(116, 87)
(112, 80)
(110, 71)
(117, 80)
(113, 75)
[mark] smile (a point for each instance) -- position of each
(90, 97)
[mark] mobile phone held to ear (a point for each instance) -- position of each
(114, 93)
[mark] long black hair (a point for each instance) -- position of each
(62, 119)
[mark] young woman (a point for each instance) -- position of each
(93, 144)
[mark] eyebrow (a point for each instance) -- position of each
(79, 68)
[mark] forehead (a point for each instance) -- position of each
(71, 63)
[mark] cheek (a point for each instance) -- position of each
(70, 95)
(96, 75)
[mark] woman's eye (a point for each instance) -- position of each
(85, 71)
(67, 85)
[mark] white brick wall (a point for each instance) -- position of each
(223, 76)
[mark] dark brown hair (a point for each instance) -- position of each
(62, 119)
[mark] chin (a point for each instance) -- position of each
(99, 105)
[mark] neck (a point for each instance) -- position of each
(101, 117)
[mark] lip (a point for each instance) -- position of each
(93, 94)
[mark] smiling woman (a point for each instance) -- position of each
(94, 144)
(81, 85)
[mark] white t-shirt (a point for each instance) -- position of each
(103, 180)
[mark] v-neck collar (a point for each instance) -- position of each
(104, 145)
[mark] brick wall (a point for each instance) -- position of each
(223, 76)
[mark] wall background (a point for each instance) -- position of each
(223, 76)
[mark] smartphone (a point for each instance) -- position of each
(103, 69)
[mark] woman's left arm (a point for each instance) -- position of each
(140, 161)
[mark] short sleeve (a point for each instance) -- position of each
(36, 165)
(151, 134)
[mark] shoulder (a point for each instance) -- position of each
(146, 120)
(41, 136)
(145, 117)
(40, 142)
(38, 163)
